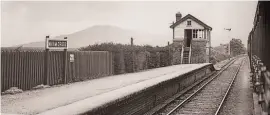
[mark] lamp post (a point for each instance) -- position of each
(229, 46)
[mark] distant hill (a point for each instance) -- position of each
(106, 33)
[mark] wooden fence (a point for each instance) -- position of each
(89, 65)
(25, 69)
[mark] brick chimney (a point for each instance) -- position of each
(178, 16)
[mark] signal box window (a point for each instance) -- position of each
(194, 33)
(189, 23)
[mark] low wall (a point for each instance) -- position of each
(144, 100)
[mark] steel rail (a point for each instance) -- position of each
(190, 88)
(193, 94)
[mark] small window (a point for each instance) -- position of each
(189, 23)
(195, 33)
(200, 34)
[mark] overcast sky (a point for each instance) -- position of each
(24, 22)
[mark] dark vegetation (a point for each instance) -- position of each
(237, 47)
(132, 58)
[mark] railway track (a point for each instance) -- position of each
(207, 96)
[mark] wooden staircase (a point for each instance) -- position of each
(186, 55)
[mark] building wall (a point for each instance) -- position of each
(179, 29)
(198, 51)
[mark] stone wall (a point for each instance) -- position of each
(198, 51)
(145, 100)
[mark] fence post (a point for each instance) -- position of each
(112, 63)
(65, 65)
(133, 56)
(46, 62)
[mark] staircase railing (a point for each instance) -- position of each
(189, 57)
(182, 53)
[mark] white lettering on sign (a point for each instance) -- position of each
(56, 44)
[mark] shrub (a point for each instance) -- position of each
(129, 58)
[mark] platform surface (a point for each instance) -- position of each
(96, 92)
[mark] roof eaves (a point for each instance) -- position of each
(192, 17)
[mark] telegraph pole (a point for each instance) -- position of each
(229, 46)
(173, 29)
(171, 57)
(169, 53)
(131, 41)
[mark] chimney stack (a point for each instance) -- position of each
(178, 16)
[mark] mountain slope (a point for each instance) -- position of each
(106, 33)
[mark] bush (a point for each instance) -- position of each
(129, 58)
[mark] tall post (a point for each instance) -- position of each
(210, 46)
(229, 48)
(65, 64)
(133, 55)
(207, 57)
(131, 41)
(46, 62)
(169, 59)
(173, 30)
(205, 34)
(229, 45)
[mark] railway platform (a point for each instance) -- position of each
(80, 97)
(134, 93)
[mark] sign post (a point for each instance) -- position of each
(46, 62)
(55, 44)
(64, 44)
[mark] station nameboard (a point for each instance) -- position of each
(56, 44)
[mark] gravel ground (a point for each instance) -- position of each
(240, 98)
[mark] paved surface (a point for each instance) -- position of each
(94, 92)
(240, 98)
